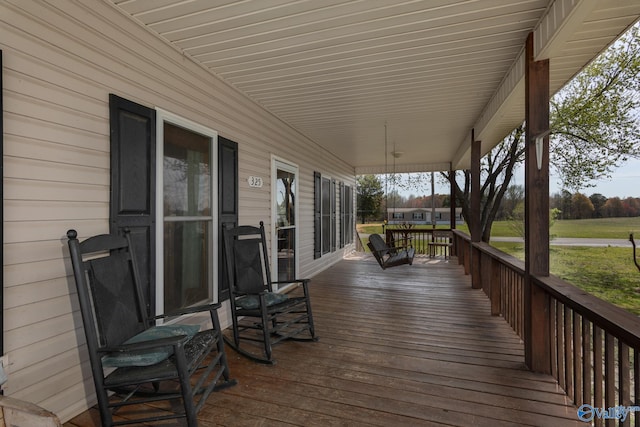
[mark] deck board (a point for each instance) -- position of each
(411, 345)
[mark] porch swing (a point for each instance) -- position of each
(388, 254)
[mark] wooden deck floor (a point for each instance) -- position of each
(409, 346)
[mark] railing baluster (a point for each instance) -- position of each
(560, 334)
(586, 361)
(609, 374)
(636, 385)
(568, 354)
(511, 302)
(553, 328)
(624, 379)
(519, 311)
(598, 376)
(577, 359)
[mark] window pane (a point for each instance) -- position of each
(286, 254)
(186, 263)
(186, 172)
(285, 198)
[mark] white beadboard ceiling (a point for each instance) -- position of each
(419, 74)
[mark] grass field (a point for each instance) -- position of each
(606, 272)
(609, 228)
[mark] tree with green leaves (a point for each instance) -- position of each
(370, 195)
(594, 129)
(598, 200)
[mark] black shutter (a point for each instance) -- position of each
(227, 204)
(326, 215)
(343, 223)
(133, 148)
(334, 215)
(317, 215)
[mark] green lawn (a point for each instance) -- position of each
(605, 228)
(606, 272)
(609, 228)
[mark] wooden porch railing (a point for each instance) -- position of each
(594, 346)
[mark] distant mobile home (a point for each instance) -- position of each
(422, 216)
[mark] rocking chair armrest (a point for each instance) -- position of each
(242, 294)
(189, 310)
(146, 345)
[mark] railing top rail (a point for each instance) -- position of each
(510, 261)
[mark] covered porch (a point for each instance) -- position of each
(411, 345)
(332, 90)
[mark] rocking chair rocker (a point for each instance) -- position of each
(259, 314)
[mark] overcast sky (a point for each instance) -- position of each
(624, 183)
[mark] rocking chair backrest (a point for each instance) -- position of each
(246, 254)
(108, 289)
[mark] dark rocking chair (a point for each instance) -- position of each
(130, 356)
(261, 316)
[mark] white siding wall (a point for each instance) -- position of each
(61, 61)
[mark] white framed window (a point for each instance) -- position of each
(325, 215)
(186, 230)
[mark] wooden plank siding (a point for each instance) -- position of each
(61, 61)
(411, 345)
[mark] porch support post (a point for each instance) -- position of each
(476, 226)
(452, 197)
(536, 310)
(452, 213)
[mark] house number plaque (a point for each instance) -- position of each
(255, 181)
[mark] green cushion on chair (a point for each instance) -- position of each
(149, 357)
(251, 302)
